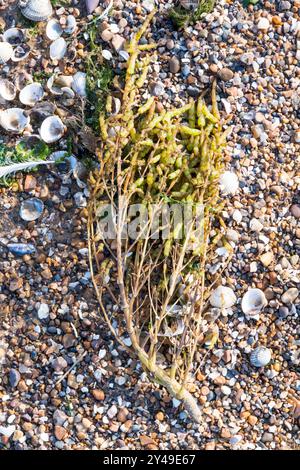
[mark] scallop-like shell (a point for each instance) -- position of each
(222, 297)
(71, 25)
(31, 209)
(14, 36)
(14, 120)
(261, 356)
(52, 129)
(58, 49)
(20, 53)
(6, 52)
(31, 94)
(229, 183)
(7, 90)
(253, 302)
(79, 83)
(36, 10)
(53, 30)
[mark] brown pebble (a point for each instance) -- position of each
(98, 394)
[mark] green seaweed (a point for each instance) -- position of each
(182, 17)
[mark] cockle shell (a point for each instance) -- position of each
(253, 302)
(189, 4)
(58, 49)
(7, 90)
(14, 36)
(53, 30)
(222, 297)
(31, 209)
(79, 83)
(52, 129)
(6, 52)
(91, 5)
(261, 356)
(36, 10)
(71, 25)
(31, 94)
(20, 53)
(229, 183)
(14, 120)
(57, 82)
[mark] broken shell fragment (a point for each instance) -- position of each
(229, 183)
(79, 83)
(14, 36)
(52, 129)
(31, 209)
(260, 357)
(6, 52)
(7, 90)
(56, 83)
(31, 94)
(222, 297)
(53, 30)
(14, 120)
(91, 5)
(36, 10)
(58, 49)
(253, 302)
(20, 53)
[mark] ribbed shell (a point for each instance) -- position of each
(260, 357)
(36, 10)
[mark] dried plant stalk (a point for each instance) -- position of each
(151, 289)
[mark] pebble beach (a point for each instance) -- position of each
(65, 383)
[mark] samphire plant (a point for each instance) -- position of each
(153, 291)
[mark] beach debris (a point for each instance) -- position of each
(6, 52)
(253, 302)
(31, 94)
(36, 10)
(7, 90)
(52, 129)
(229, 183)
(261, 356)
(223, 297)
(31, 209)
(58, 49)
(14, 120)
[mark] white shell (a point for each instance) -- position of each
(229, 183)
(261, 356)
(67, 96)
(31, 94)
(20, 53)
(58, 49)
(57, 82)
(116, 106)
(53, 30)
(52, 129)
(222, 297)
(71, 25)
(14, 120)
(7, 90)
(253, 302)
(36, 10)
(6, 52)
(79, 83)
(15, 36)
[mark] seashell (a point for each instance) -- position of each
(14, 120)
(7, 90)
(53, 30)
(36, 10)
(31, 94)
(52, 129)
(58, 155)
(79, 83)
(20, 53)
(71, 25)
(91, 5)
(189, 4)
(6, 52)
(253, 302)
(31, 209)
(261, 356)
(116, 106)
(58, 49)
(57, 82)
(14, 36)
(229, 183)
(222, 297)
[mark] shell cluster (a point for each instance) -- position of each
(40, 103)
